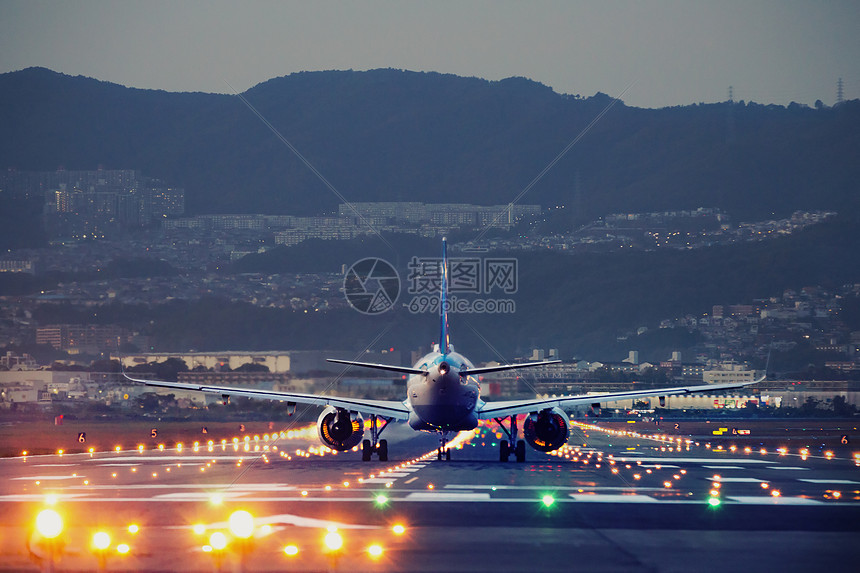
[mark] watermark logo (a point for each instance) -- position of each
(465, 275)
(371, 286)
(470, 279)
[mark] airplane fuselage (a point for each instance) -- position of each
(443, 400)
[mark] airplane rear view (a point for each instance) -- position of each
(443, 396)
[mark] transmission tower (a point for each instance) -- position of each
(730, 117)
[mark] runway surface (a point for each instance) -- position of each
(609, 501)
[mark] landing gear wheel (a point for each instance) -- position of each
(521, 451)
(374, 445)
(443, 452)
(504, 451)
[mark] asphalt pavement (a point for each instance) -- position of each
(611, 500)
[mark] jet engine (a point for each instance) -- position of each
(340, 429)
(547, 430)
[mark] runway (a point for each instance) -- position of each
(609, 501)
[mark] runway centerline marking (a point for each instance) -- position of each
(46, 478)
(178, 457)
(198, 496)
(664, 461)
(557, 488)
(609, 498)
(247, 487)
(447, 496)
(770, 500)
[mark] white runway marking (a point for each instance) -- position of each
(692, 460)
(736, 480)
(190, 498)
(290, 519)
(178, 457)
(424, 497)
(447, 496)
(608, 498)
(47, 478)
(770, 500)
(787, 468)
(724, 467)
(41, 497)
(197, 496)
(206, 487)
(556, 488)
(840, 481)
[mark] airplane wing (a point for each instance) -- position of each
(501, 367)
(386, 408)
(500, 409)
(389, 367)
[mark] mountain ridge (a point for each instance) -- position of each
(389, 135)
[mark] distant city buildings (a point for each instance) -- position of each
(17, 266)
(438, 216)
(357, 219)
(13, 361)
(97, 204)
(681, 230)
(83, 338)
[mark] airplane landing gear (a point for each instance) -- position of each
(514, 446)
(374, 444)
(443, 452)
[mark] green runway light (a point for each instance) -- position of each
(548, 500)
(381, 499)
(714, 502)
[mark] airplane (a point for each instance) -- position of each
(443, 396)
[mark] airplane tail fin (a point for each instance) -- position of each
(443, 301)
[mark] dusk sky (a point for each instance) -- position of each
(670, 52)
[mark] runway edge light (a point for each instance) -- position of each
(49, 524)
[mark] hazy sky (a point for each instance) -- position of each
(672, 51)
